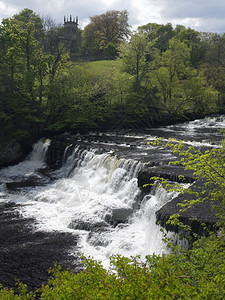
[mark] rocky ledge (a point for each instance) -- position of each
(198, 216)
(11, 153)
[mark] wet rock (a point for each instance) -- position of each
(172, 173)
(96, 237)
(121, 215)
(169, 172)
(194, 216)
(30, 182)
(54, 155)
(88, 226)
(26, 254)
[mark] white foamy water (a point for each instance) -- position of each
(141, 236)
(90, 188)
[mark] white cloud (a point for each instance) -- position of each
(6, 10)
(144, 12)
(204, 15)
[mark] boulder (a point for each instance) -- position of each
(56, 150)
(170, 172)
(120, 215)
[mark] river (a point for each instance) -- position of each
(91, 205)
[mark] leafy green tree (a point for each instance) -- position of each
(77, 100)
(193, 40)
(110, 27)
(214, 64)
(181, 89)
(20, 54)
(208, 168)
(29, 16)
(111, 50)
(160, 34)
(134, 57)
(195, 274)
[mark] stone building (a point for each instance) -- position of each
(70, 34)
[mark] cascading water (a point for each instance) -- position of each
(92, 196)
(28, 167)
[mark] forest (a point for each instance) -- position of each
(158, 74)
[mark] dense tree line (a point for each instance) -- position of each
(158, 73)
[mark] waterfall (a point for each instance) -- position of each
(95, 196)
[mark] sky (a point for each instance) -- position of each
(201, 15)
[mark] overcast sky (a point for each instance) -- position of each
(202, 15)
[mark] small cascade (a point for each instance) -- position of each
(34, 161)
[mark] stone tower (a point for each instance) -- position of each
(70, 36)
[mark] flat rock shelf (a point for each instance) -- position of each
(27, 255)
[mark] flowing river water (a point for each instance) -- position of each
(93, 199)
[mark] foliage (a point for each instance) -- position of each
(78, 100)
(111, 50)
(159, 34)
(110, 27)
(181, 89)
(134, 57)
(21, 59)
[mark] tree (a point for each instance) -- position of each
(77, 100)
(29, 16)
(195, 274)
(214, 64)
(27, 73)
(53, 32)
(134, 57)
(192, 39)
(110, 27)
(160, 34)
(208, 169)
(181, 89)
(20, 47)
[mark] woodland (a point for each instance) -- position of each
(155, 75)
